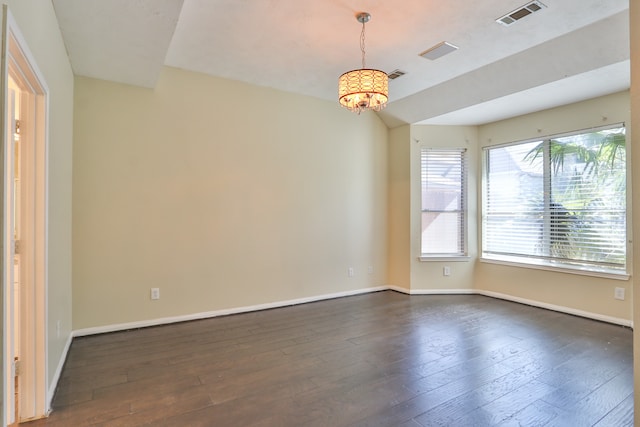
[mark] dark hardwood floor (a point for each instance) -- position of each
(380, 359)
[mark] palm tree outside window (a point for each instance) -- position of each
(559, 201)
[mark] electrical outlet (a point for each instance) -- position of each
(618, 293)
(155, 293)
(58, 329)
(370, 269)
(446, 270)
(351, 272)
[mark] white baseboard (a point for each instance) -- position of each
(56, 375)
(218, 313)
(246, 309)
(442, 292)
(278, 304)
(559, 308)
(533, 303)
(399, 289)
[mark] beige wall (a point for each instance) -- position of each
(399, 230)
(576, 292)
(221, 194)
(426, 276)
(37, 22)
(406, 271)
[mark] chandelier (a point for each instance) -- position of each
(363, 89)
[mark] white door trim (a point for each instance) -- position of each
(18, 61)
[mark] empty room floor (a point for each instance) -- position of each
(379, 359)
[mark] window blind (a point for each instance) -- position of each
(443, 177)
(561, 200)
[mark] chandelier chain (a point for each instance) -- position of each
(362, 44)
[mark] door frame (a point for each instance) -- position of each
(18, 61)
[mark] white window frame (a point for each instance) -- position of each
(462, 236)
(523, 261)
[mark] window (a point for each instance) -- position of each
(558, 202)
(443, 176)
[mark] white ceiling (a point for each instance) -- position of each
(569, 51)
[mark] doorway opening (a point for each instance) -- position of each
(24, 232)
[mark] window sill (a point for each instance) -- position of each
(452, 258)
(515, 262)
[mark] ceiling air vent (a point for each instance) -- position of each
(439, 50)
(395, 74)
(520, 13)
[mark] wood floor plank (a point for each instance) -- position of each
(484, 396)
(149, 411)
(597, 404)
(620, 416)
(539, 413)
(496, 411)
(379, 359)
